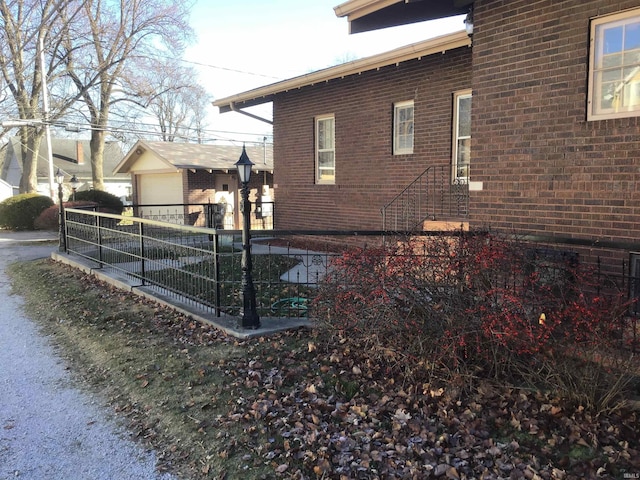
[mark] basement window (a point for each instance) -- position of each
(614, 66)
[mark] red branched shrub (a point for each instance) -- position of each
(472, 304)
(49, 218)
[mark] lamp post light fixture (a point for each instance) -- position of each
(74, 182)
(62, 238)
(249, 317)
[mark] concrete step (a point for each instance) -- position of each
(445, 225)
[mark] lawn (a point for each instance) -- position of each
(298, 405)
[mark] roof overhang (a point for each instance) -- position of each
(367, 15)
(266, 94)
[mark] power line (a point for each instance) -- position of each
(224, 68)
(197, 136)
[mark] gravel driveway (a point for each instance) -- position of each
(49, 429)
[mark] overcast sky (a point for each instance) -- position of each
(244, 44)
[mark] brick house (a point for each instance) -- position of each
(168, 175)
(552, 147)
(555, 123)
(349, 138)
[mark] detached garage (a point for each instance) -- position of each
(169, 175)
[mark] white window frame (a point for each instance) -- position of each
(403, 140)
(326, 149)
(458, 175)
(622, 82)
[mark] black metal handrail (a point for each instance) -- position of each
(433, 195)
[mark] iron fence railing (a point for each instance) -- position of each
(433, 195)
(203, 265)
(199, 265)
(207, 215)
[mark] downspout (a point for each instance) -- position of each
(237, 110)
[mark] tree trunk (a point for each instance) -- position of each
(96, 145)
(30, 149)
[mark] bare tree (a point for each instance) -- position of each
(27, 25)
(119, 35)
(178, 102)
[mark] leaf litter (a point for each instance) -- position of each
(293, 406)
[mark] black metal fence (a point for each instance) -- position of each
(207, 215)
(198, 265)
(203, 265)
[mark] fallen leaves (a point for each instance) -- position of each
(293, 407)
(416, 431)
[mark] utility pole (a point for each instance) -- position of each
(45, 117)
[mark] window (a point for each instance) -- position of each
(461, 136)
(403, 128)
(614, 66)
(325, 149)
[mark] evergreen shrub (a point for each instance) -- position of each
(20, 211)
(108, 202)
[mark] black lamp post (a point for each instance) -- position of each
(62, 238)
(74, 182)
(249, 317)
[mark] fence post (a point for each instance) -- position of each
(216, 273)
(99, 237)
(209, 216)
(143, 272)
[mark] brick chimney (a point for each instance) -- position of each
(79, 153)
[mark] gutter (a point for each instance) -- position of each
(354, 9)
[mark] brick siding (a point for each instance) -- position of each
(368, 175)
(544, 167)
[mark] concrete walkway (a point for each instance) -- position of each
(49, 428)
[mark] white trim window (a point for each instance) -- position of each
(614, 66)
(461, 147)
(325, 149)
(403, 128)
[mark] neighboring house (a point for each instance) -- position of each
(6, 190)
(73, 158)
(349, 138)
(169, 173)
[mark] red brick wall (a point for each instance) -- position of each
(367, 174)
(198, 186)
(546, 169)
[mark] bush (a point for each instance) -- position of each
(49, 218)
(460, 308)
(20, 211)
(108, 202)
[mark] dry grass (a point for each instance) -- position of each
(169, 376)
